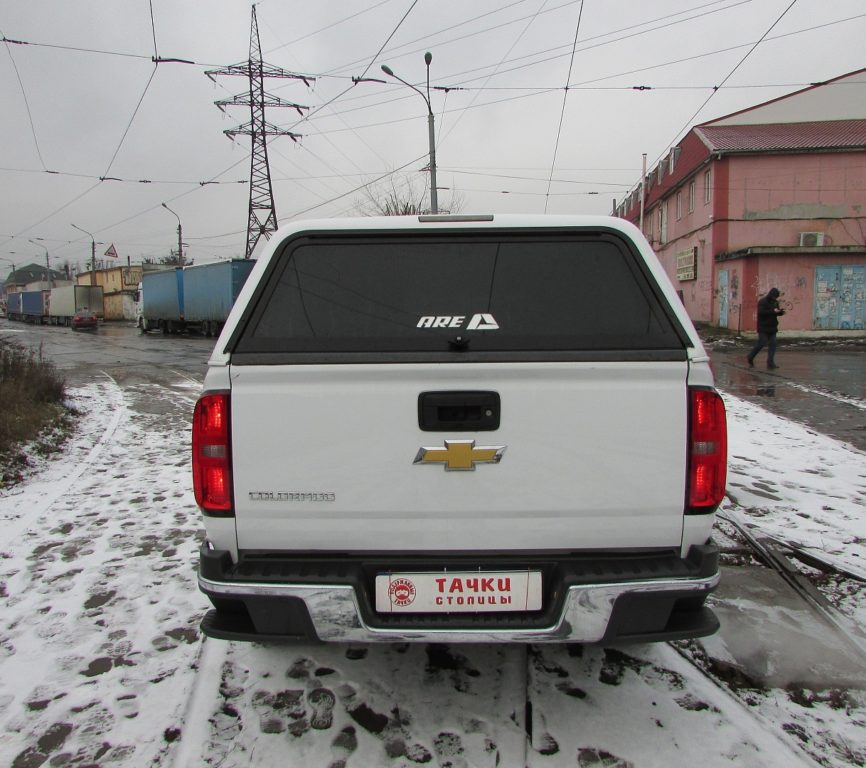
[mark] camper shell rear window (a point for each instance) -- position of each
(454, 297)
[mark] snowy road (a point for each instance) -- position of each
(101, 662)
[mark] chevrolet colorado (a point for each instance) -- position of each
(459, 428)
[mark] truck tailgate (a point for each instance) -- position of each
(594, 457)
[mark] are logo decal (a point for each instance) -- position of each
(401, 592)
(481, 321)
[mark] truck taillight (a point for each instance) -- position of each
(708, 450)
(211, 454)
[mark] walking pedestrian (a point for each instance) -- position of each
(769, 313)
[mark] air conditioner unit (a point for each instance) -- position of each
(811, 239)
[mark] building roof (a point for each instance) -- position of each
(784, 124)
(32, 273)
(840, 98)
(785, 137)
(690, 154)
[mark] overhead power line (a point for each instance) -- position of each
(366, 69)
(118, 179)
(727, 77)
(519, 37)
(428, 39)
(358, 188)
(153, 29)
(26, 102)
(533, 178)
(327, 27)
(564, 100)
(131, 120)
(586, 83)
(566, 47)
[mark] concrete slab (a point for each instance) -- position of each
(772, 635)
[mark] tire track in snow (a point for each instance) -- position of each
(202, 698)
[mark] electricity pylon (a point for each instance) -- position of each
(262, 220)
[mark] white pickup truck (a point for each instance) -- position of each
(459, 428)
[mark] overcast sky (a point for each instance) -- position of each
(83, 99)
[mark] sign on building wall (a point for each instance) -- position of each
(687, 264)
(131, 277)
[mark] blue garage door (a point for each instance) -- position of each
(840, 298)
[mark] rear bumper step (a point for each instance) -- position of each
(587, 600)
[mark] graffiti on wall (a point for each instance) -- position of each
(792, 289)
(840, 298)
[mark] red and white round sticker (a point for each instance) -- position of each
(401, 592)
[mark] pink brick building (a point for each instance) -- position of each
(774, 195)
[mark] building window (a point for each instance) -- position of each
(708, 189)
(679, 205)
(692, 196)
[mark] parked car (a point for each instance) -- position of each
(84, 319)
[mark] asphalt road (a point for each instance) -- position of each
(820, 384)
(118, 348)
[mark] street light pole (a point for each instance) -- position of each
(431, 131)
(179, 236)
(47, 267)
(92, 254)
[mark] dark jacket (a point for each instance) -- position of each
(768, 312)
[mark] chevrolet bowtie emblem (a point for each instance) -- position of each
(460, 455)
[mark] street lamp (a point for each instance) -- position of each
(179, 236)
(428, 57)
(92, 254)
(47, 267)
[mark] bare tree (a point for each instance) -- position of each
(402, 198)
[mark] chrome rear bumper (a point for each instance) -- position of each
(589, 614)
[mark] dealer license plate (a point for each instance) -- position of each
(458, 592)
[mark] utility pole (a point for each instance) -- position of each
(262, 218)
(92, 254)
(47, 266)
(179, 235)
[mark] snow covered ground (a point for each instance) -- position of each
(101, 662)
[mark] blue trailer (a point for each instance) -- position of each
(29, 306)
(162, 301)
(13, 306)
(210, 291)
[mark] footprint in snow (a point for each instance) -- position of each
(321, 701)
(342, 747)
(449, 750)
(590, 757)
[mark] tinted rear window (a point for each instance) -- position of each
(484, 293)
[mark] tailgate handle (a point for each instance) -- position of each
(458, 411)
